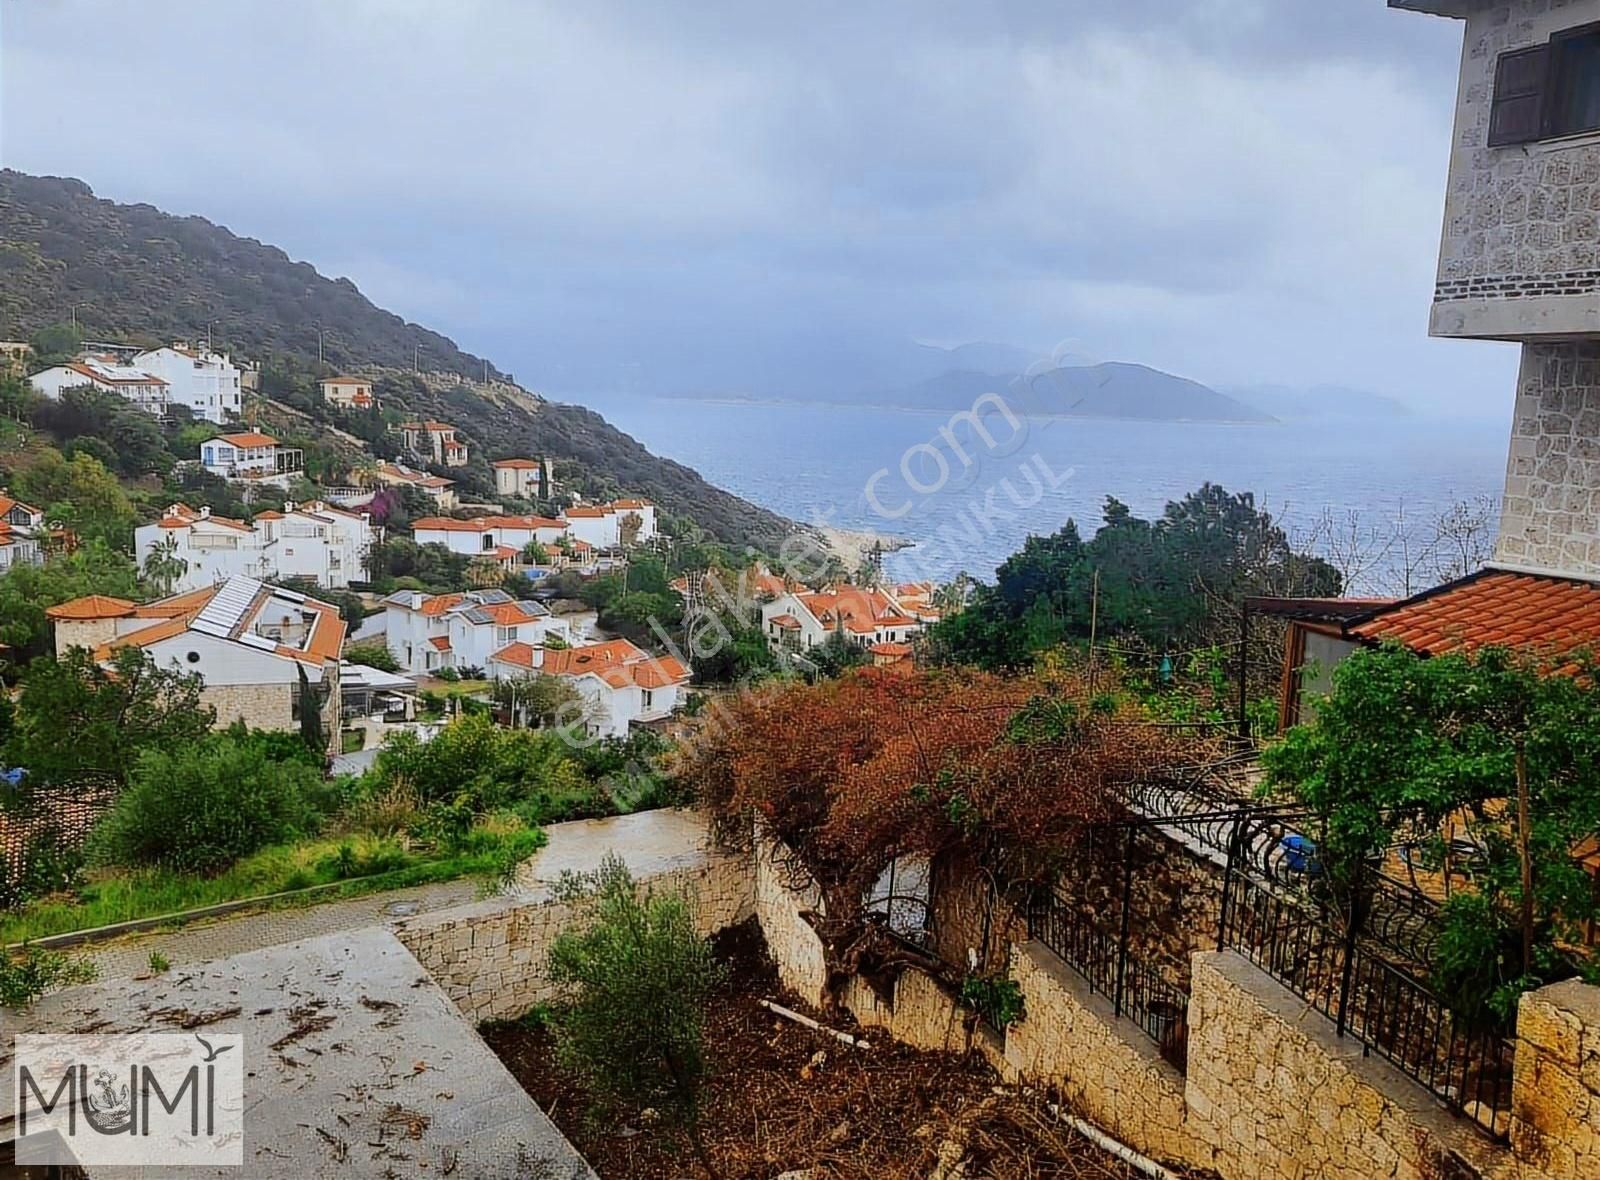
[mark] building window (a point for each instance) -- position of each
(646, 697)
(1547, 91)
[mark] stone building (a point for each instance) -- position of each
(1520, 257)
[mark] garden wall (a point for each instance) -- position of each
(490, 957)
(1555, 1096)
(1274, 1093)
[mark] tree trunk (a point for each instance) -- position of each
(1525, 855)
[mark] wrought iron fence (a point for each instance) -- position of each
(1136, 987)
(1303, 945)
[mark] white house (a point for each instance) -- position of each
(526, 478)
(349, 392)
(427, 632)
(610, 526)
(436, 487)
(797, 620)
(313, 541)
(109, 374)
(487, 536)
(436, 440)
(22, 533)
(255, 646)
(622, 684)
(252, 457)
(205, 381)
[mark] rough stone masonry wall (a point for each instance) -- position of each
(490, 957)
(1555, 1097)
(1104, 1067)
(260, 706)
(1520, 221)
(1550, 518)
(1274, 1094)
(793, 944)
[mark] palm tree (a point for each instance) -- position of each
(163, 567)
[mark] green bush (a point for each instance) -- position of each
(632, 988)
(200, 808)
(27, 976)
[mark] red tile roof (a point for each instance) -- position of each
(249, 438)
(94, 606)
(442, 642)
(518, 464)
(1493, 608)
(517, 654)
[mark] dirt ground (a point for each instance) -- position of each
(785, 1098)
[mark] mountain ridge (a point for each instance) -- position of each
(135, 273)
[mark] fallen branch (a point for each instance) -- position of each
(1140, 1163)
(790, 1014)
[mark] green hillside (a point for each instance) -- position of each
(142, 275)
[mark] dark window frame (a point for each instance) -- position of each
(1522, 110)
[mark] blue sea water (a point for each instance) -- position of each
(816, 463)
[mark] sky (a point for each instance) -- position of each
(720, 196)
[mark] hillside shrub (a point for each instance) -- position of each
(632, 987)
(201, 807)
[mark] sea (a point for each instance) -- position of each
(965, 496)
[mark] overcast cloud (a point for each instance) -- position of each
(723, 195)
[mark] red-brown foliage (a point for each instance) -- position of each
(851, 773)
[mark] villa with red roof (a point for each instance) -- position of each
(499, 537)
(611, 526)
(314, 542)
(430, 632)
(254, 645)
(801, 619)
(109, 374)
(622, 684)
(251, 457)
(528, 479)
(22, 533)
(351, 393)
(437, 488)
(437, 441)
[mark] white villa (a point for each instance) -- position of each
(528, 479)
(610, 526)
(207, 382)
(427, 632)
(500, 537)
(251, 642)
(797, 620)
(252, 457)
(622, 684)
(109, 374)
(435, 440)
(349, 392)
(436, 487)
(22, 533)
(314, 541)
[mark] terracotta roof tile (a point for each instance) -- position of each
(1495, 608)
(93, 606)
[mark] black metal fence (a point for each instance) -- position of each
(1328, 963)
(1136, 987)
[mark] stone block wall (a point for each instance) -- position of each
(1520, 253)
(1104, 1067)
(1275, 1094)
(490, 957)
(1555, 1098)
(1550, 517)
(779, 901)
(260, 706)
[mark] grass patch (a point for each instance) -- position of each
(363, 864)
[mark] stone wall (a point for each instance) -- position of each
(260, 706)
(1520, 253)
(1104, 1067)
(1550, 518)
(792, 942)
(1274, 1093)
(1555, 1098)
(490, 957)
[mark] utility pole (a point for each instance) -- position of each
(75, 307)
(416, 358)
(1094, 624)
(320, 359)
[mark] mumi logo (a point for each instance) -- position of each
(140, 1098)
